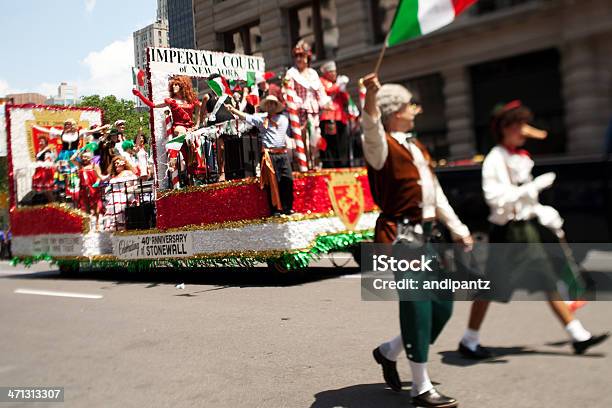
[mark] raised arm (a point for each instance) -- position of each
(375, 148)
(239, 114)
(84, 132)
(147, 101)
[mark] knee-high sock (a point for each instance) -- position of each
(576, 331)
(392, 348)
(470, 339)
(420, 378)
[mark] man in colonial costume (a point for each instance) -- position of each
(407, 191)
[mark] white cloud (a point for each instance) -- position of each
(4, 88)
(89, 5)
(110, 70)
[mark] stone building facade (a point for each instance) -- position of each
(555, 55)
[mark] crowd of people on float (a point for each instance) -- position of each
(87, 169)
(323, 110)
(96, 168)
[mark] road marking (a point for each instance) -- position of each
(352, 276)
(54, 293)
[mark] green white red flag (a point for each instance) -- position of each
(414, 18)
(138, 76)
(176, 143)
(219, 86)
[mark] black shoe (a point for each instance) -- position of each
(581, 346)
(288, 212)
(389, 368)
(433, 398)
(276, 213)
(481, 353)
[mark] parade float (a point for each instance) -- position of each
(219, 224)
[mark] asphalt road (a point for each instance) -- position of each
(249, 339)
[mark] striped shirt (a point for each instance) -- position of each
(272, 137)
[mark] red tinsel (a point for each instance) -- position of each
(45, 220)
(246, 202)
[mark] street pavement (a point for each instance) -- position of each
(252, 339)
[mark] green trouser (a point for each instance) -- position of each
(421, 323)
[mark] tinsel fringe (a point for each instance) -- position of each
(290, 261)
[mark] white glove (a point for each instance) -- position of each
(544, 181)
(342, 81)
(550, 218)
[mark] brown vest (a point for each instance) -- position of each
(396, 189)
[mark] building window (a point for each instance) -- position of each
(533, 78)
(316, 23)
(383, 12)
(430, 126)
(488, 6)
(244, 40)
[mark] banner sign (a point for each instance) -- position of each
(153, 246)
(201, 63)
(56, 245)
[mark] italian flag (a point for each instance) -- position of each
(176, 143)
(414, 18)
(138, 76)
(219, 86)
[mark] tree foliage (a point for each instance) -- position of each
(115, 109)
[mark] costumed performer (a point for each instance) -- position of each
(273, 127)
(518, 218)
(312, 97)
(411, 200)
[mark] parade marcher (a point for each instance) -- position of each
(216, 113)
(119, 125)
(128, 152)
(312, 96)
(273, 127)
(334, 117)
(119, 193)
(142, 156)
(517, 217)
(183, 102)
(89, 199)
(108, 149)
(43, 179)
(405, 188)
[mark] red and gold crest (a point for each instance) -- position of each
(346, 196)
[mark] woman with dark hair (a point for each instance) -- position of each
(43, 178)
(183, 102)
(517, 218)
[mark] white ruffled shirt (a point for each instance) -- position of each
(509, 191)
(309, 88)
(435, 203)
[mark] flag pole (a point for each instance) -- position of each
(382, 54)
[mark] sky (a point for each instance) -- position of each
(87, 43)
